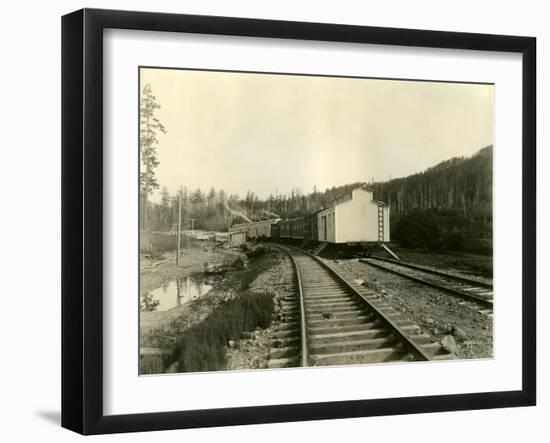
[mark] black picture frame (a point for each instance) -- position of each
(82, 219)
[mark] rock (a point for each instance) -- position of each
(449, 344)
(429, 321)
(359, 282)
(213, 268)
(459, 333)
(255, 251)
(231, 343)
(236, 263)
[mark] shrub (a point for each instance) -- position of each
(417, 229)
(157, 243)
(454, 240)
(256, 251)
(202, 347)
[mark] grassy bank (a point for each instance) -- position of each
(202, 347)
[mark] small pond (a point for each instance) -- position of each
(177, 292)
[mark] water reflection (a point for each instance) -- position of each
(176, 293)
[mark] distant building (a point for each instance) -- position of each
(237, 238)
(222, 236)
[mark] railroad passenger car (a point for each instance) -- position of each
(275, 231)
(310, 227)
(284, 230)
(297, 228)
(293, 228)
(255, 230)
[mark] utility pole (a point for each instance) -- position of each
(192, 220)
(187, 222)
(179, 231)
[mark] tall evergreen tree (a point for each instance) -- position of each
(150, 126)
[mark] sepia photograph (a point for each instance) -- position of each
(291, 220)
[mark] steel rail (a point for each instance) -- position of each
(411, 347)
(462, 294)
(434, 271)
(303, 330)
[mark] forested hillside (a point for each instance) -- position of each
(447, 206)
(458, 183)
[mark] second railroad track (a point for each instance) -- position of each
(473, 291)
(329, 321)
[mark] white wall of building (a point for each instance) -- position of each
(357, 219)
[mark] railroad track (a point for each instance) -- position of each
(475, 294)
(327, 320)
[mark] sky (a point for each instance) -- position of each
(271, 133)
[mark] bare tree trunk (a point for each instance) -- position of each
(144, 224)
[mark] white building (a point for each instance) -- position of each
(355, 217)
